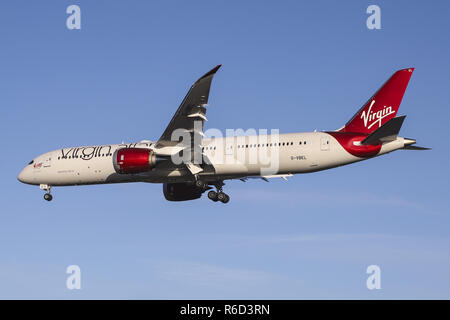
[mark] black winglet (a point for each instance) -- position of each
(209, 73)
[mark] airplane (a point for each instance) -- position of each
(188, 163)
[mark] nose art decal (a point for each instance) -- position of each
(37, 165)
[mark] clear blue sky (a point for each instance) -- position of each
(289, 65)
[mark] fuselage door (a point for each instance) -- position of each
(228, 147)
(47, 162)
(324, 144)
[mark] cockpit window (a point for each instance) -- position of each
(31, 162)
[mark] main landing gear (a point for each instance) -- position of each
(215, 196)
(47, 188)
(219, 195)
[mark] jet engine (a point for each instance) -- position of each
(133, 160)
(181, 191)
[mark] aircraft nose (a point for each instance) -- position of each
(25, 175)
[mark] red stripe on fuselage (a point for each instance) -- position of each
(347, 139)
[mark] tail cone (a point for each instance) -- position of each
(408, 142)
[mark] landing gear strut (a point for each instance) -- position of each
(47, 188)
(201, 184)
(219, 195)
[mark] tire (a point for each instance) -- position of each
(212, 195)
(221, 196)
(48, 197)
(226, 199)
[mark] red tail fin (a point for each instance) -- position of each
(383, 105)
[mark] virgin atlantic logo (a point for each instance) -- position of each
(37, 165)
(371, 118)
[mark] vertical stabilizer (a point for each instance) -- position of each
(382, 106)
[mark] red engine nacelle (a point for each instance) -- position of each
(133, 160)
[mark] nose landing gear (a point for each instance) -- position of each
(47, 188)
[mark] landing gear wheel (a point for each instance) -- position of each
(48, 197)
(213, 195)
(227, 199)
(223, 197)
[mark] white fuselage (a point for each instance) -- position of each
(230, 158)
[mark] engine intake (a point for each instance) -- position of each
(133, 160)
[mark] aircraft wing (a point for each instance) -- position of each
(191, 114)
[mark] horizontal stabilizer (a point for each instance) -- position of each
(385, 133)
(416, 148)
